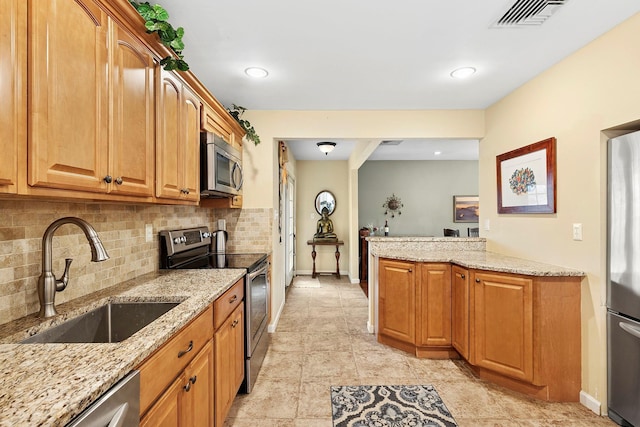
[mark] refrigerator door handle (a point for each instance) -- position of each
(630, 329)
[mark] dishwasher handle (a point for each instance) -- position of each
(630, 329)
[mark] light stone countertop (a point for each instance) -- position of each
(480, 260)
(49, 384)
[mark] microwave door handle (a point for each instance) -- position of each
(236, 165)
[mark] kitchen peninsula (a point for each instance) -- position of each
(516, 322)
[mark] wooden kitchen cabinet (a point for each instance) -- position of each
(178, 140)
(68, 90)
(502, 325)
(229, 360)
(132, 101)
(397, 304)
(189, 399)
(460, 298)
(215, 123)
(433, 308)
(13, 90)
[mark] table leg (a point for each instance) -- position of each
(313, 256)
(338, 261)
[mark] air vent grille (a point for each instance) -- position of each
(527, 13)
(391, 142)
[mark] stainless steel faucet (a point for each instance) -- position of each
(48, 285)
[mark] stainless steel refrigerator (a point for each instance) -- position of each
(623, 279)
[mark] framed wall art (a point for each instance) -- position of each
(526, 179)
(466, 208)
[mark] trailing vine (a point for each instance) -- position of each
(155, 18)
(236, 111)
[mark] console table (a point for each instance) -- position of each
(314, 243)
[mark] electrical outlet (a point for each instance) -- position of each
(487, 225)
(148, 232)
(577, 231)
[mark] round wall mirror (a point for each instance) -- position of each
(325, 199)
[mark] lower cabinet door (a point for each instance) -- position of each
(433, 308)
(396, 300)
(188, 402)
(229, 362)
(503, 324)
(460, 310)
(166, 412)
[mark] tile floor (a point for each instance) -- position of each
(321, 340)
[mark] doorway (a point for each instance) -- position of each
(289, 230)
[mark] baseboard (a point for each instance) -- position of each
(370, 328)
(590, 402)
(354, 281)
(275, 319)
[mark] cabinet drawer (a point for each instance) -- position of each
(162, 367)
(224, 305)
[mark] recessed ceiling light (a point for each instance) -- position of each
(463, 73)
(256, 72)
(437, 153)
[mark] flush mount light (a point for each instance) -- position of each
(326, 147)
(463, 73)
(256, 72)
(437, 153)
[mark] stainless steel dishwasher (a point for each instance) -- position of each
(118, 407)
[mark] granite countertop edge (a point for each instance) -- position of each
(50, 384)
(481, 260)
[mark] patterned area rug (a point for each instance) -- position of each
(389, 406)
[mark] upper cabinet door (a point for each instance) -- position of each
(191, 146)
(69, 98)
(132, 136)
(13, 107)
(169, 156)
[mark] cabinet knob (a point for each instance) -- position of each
(108, 179)
(462, 276)
(193, 379)
(185, 191)
(119, 180)
(187, 387)
(234, 323)
(410, 270)
(477, 280)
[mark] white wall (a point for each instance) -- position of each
(426, 189)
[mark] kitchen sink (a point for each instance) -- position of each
(112, 322)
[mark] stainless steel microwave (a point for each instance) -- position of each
(220, 167)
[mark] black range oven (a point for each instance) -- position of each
(192, 249)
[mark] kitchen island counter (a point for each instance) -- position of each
(49, 384)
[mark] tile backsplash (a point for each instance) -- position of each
(122, 231)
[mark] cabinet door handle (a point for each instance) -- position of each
(187, 387)
(234, 323)
(108, 179)
(233, 299)
(183, 352)
(410, 270)
(477, 280)
(119, 180)
(462, 276)
(193, 379)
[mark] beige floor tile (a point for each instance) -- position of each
(382, 364)
(318, 325)
(315, 400)
(328, 364)
(288, 341)
(264, 422)
(313, 422)
(438, 370)
(469, 399)
(325, 312)
(270, 398)
(278, 364)
(328, 341)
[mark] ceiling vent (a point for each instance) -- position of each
(391, 142)
(528, 13)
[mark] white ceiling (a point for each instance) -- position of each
(375, 54)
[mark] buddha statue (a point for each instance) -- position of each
(324, 229)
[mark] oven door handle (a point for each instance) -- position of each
(258, 272)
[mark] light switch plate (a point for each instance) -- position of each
(577, 231)
(487, 225)
(148, 232)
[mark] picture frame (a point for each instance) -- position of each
(526, 179)
(466, 209)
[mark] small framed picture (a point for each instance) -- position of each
(526, 179)
(466, 208)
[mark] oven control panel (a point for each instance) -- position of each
(177, 241)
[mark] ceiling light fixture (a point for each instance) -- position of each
(437, 153)
(463, 73)
(326, 147)
(256, 72)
